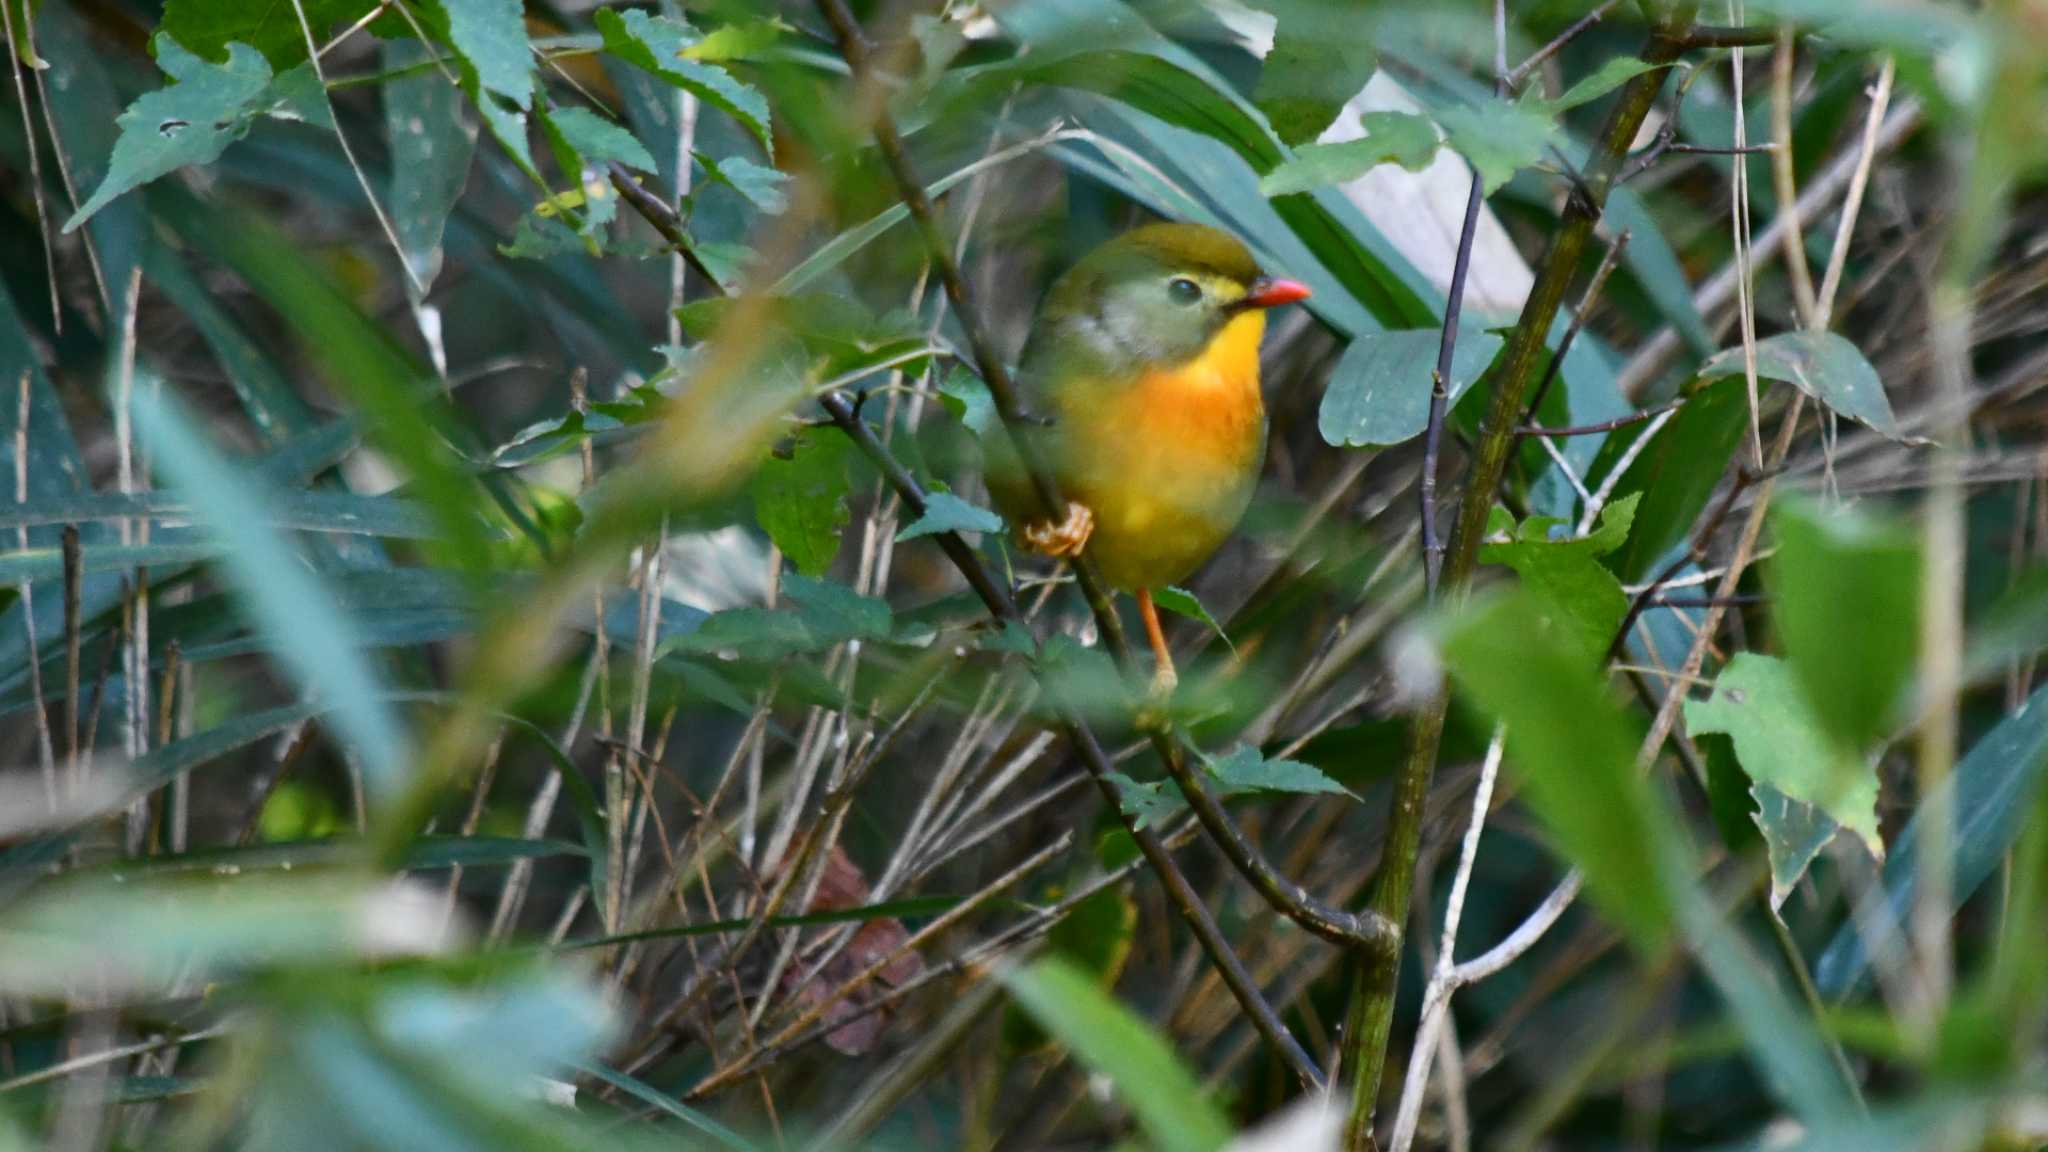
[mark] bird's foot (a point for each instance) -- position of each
(1065, 538)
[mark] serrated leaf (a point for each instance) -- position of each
(800, 502)
(1313, 70)
(1584, 601)
(1823, 365)
(1182, 602)
(1793, 833)
(1246, 769)
(836, 613)
(595, 140)
(1780, 742)
(207, 27)
(1498, 138)
(1379, 390)
(1149, 803)
(945, 512)
(759, 184)
(491, 36)
(660, 45)
(967, 397)
(1845, 598)
(1403, 138)
(583, 144)
(204, 109)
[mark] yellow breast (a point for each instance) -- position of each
(1167, 463)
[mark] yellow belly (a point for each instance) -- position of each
(1166, 463)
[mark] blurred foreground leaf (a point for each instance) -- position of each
(1845, 596)
(1110, 1040)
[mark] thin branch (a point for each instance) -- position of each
(1436, 999)
(997, 600)
(1600, 426)
(1439, 390)
(1881, 134)
(1587, 299)
(1521, 71)
(1332, 923)
(1370, 1020)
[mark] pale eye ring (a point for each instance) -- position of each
(1183, 290)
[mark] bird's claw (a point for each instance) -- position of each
(1065, 538)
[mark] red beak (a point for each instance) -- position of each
(1268, 291)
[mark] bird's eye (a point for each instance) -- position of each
(1183, 290)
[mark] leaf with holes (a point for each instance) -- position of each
(1403, 138)
(205, 108)
(1826, 367)
(208, 27)
(1780, 742)
(800, 500)
(1379, 390)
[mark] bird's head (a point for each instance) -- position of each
(1158, 295)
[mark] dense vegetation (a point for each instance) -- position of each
(504, 641)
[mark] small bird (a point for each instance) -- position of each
(1141, 377)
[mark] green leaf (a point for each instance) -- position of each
(584, 143)
(315, 641)
(1845, 597)
(1149, 803)
(1575, 751)
(208, 27)
(836, 613)
(967, 397)
(759, 184)
(1379, 390)
(1107, 1038)
(1823, 365)
(945, 512)
(205, 108)
(660, 45)
(1246, 769)
(147, 935)
(1617, 70)
(1498, 138)
(800, 502)
(1677, 474)
(1182, 602)
(431, 146)
(1318, 62)
(1794, 834)
(491, 36)
(1586, 603)
(1780, 742)
(1403, 138)
(721, 1135)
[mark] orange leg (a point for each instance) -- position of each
(1164, 678)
